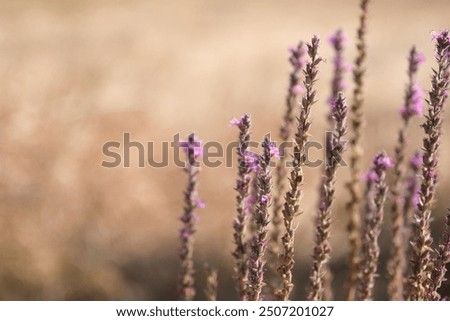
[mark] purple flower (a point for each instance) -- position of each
(382, 161)
(265, 198)
(338, 39)
(414, 93)
(297, 56)
(417, 99)
(420, 57)
(274, 151)
(199, 203)
(252, 160)
(195, 145)
(235, 122)
(415, 103)
(443, 34)
(298, 89)
(416, 161)
(442, 39)
(370, 176)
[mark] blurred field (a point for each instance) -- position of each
(76, 74)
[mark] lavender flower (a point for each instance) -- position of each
(242, 187)
(193, 150)
(261, 217)
(235, 122)
(412, 106)
(356, 123)
(250, 200)
(322, 249)
(376, 191)
(195, 146)
(291, 207)
(297, 61)
(441, 261)
(416, 161)
(338, 40)
(419, 281)
(415, 106)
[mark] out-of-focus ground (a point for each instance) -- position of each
(76, 74)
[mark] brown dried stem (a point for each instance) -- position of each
(322, 250)
(291, 206)
(420, 283)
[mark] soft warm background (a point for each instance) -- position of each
(75, 74)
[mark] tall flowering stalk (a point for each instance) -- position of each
(420, 282)
(376, 190)
(261, 216)
(412, 106)
(356, 122)
(291, 206)
(441, 261)
(337, 40)
(193, 150)
(297, 61)
(242, 189)
(334, 152)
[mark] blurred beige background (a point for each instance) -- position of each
(76, 74)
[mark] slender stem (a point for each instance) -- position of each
(259, 241)
(412, 106)
(291, 206)
(376, 190)
(242, 189)
(297, 61)
(191, 202)
(356, 124)
(420, 283)
(322, 250)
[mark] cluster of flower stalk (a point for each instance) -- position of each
(268, 203)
